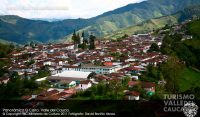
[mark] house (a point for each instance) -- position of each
(108, 63)
(99, 78)
(69, 46)
(65, 84)
(133, 83)
(132, 95)
(98, 69)
(85, 84)
(63, 95)
(4, 80)
(148, 87)
(53, 94)
(108, 58)
(47, 62)
(70, 68)
(16, 54)
(93, 68)
(26, 97)
(133, 70)
(70, 90)
(135, 77)
(46, 94)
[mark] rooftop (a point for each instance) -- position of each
(73, 74)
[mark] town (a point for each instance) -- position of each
(68, 70)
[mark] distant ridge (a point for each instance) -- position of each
(156, 23)
(21, 30)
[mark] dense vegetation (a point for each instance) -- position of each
(102, 91)
(4, 57)
(187, 50)
(17, 87)
(181, 71)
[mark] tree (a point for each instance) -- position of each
(83, 46)
(171, 71)
(125, 36)
(74, 38)
(30, 62)
(166, 45)
(43, 72)
(115, 86)
(83, 35)
(101, 89)
(78, 39)
(32, 44)
(160, 75)
(125, 81)
(92, 42)
(98, 63)
(185, 54)
(154, 47)
(151, 71)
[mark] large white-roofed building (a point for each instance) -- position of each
(74, 74)
(69, 79)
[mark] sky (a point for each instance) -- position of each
(60, 9)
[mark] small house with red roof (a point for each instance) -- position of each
(108, 64)
(149, 87)
(133, 95)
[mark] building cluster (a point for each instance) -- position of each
(78, 69)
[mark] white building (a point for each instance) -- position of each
(85, 84)
(74, 74)
(96, 69)
(68, 79)
(133, 95)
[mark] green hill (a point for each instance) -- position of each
(21, 30)
(160, 22)
(134, 14)
(194, 28)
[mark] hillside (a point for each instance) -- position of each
(20, 30)
(194, 29)
(157, 23)
(134, 14)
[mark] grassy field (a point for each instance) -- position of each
(189, 78)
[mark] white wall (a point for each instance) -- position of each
(133, 97)
(84, 86)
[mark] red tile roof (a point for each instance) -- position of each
(133, 93)
(49, 93)
(85, 82)
(133, 83)
(27, 97)
(148, 84)
(70, 91)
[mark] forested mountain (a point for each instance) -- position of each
(156, 23)
(134, 14)
(21, 30)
